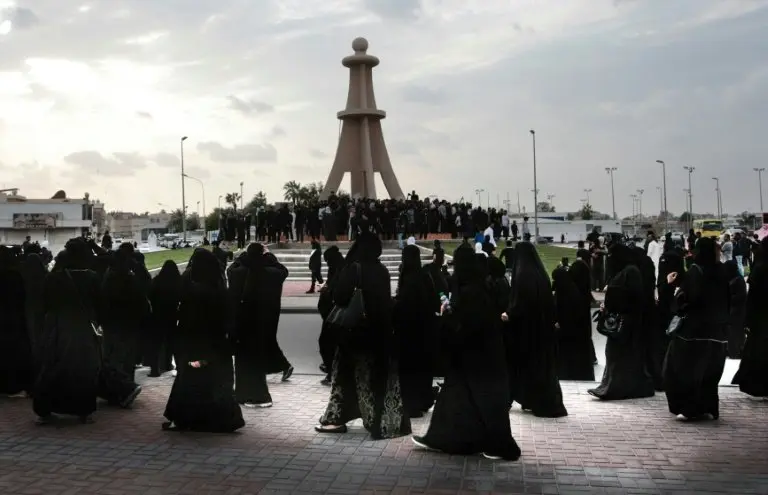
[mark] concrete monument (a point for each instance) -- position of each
(361, 150)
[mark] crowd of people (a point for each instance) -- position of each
(341, 217)
(497, 331)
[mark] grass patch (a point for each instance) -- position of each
(157, 258)
(550, 255)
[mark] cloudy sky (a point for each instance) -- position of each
(95, 95)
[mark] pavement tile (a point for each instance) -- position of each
(621, 447)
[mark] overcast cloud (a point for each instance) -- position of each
(95, 96)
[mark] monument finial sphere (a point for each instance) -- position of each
(360, 44)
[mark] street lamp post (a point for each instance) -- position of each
(610, 171)
(241, 196)
(717, 194)
(640, 203)
(634, 212)
(664, 185)
(661, 200)
(535, 192)
(183, 194)
(760, 184)
(202, 187)
(690, 193)
(587, 191)
(479, 192)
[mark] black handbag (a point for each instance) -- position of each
(609, 324)
(675, 325)
(352, 315)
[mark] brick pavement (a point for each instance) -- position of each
(621, 447)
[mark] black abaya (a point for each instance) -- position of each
(203, 399)
(70, 354)
(752, 377)
(16, 365)
(471, 414)
(625, 375)
(572, 314)
(696, 355)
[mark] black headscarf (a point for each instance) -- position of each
(530, 281)
(620, 256)
(465, 267)
(204, 269)
(706, 253)
(335, 261)
(367, 248)
(168, 277)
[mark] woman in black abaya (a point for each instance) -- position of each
(696, 355)
(625, 375)
(572, 329)
(126, 310)
(16, 368)
(752, 377)
(327, 341)
(202, 397)
(365, 382)
(579, 272)
(471, 414)
(164, 297)
(532, 324)
(70, 354)
(34, 272)
(654, 337)
(414, 316)
(737, 309)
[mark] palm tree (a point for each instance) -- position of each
(292, 191)
(232, 199)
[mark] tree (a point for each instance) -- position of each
(259, 200)
(292, 191)
(746, 219)
(193, 221)
(546, 207)
(586, 212)
(311, 192)
(175, 223)
(232, 199)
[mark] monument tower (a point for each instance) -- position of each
(361, 150)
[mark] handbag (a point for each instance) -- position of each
(97, 330)
(675, 325)
(609, 324)
(352, 315)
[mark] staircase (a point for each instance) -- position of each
(296, 259)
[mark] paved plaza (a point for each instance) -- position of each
(620, 447)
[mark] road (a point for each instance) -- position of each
(298, 333)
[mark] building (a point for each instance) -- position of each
(134, 227)
(51, 222)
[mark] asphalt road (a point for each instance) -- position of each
(298, 333)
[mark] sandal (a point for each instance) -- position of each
(331, 429)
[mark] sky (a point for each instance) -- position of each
(95, 96)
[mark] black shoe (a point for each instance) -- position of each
(326, 381)
(310, 291)
(331, 429)
(287, 373)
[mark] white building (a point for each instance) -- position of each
(51, 222)
(133, 227)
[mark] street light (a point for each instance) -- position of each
(690, 192)
(719, 199)
(587, 191)
(661, 199)
(664, 185)
(535, 192)
(610, 171)
(202, 187)
(640, 203)
(760, 184)
(198, 210)
(478, 192)
(183, 194)
(634, 212)
(241, 196)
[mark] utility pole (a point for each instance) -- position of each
(717, 193)
(690, 193)
(587, 191)
(634, 212)
(610, 171)
(183, 194)
(640, 203)
(535, 193)
(664, 185)
(760, 184)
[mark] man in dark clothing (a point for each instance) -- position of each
(582, 253)
(106, 241)
(508, 255)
